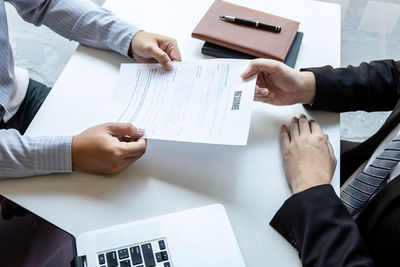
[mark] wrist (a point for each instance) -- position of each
(133, 40)
(300, 187)
(75, 153)
(309, 87)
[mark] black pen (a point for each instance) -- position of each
(251, 23)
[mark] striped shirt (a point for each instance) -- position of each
(78, 20)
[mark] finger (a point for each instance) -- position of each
(265, 95)
(261, 81)
(261, 91)
(260, 65)
(174, 53)
(284, 136)
(144, 59)
(132, 159)
(250, 71)
(169, 46)
(315, 128)
(134, 149)
(261, 88)
(332, 153)
(304, 126)
(124, 129)
(125, 162)
(294, 128)
(126, 139)
(330, 148)
(160, 56)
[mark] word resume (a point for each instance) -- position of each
(203, 101)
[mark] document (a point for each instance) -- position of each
(203, 101)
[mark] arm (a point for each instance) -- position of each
(106, 148)
(314, 220)
(369, 87)
(83, 21)
(79, 20)
(317, 224)
(22, 156)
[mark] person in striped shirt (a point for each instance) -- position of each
(100, 149)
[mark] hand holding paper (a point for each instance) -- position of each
(201, 101)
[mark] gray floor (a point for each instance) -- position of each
(370, 30)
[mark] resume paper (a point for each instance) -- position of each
(203, 101)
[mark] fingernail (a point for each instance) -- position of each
(264, 92)
(140, 131)
(302, 115)
(169, 65)
(127, 139)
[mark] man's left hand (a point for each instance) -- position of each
(149, 47)
(308, 157)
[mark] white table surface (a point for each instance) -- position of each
(172, 176)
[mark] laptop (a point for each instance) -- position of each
(195, 237)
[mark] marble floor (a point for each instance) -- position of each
(370, 30)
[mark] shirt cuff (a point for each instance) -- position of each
(124, 34)
(53, 155)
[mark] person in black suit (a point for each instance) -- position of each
(314, 219)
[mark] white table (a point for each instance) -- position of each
(249, 181)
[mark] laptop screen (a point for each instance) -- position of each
(28, 240)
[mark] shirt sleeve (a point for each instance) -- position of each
(22, 156)
(79, 20)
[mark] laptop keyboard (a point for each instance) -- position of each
(147, 254)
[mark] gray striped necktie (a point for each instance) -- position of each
(367, 183)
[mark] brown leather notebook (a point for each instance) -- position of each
(249, 40)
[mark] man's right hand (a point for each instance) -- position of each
(107, 148)
(278, 84)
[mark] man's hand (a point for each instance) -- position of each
(278, 84)
(308, 157)
(151, 47)
(107, 148)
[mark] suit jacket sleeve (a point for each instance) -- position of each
(371, 86)
(318, 225)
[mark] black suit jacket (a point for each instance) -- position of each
(315, 221)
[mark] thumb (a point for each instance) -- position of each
(260, 65)
(124, 129)
(161, 57)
